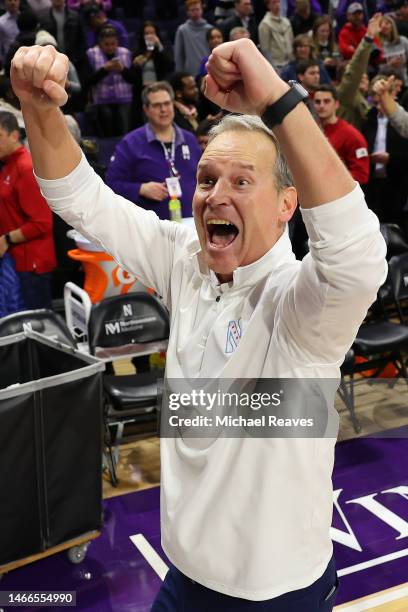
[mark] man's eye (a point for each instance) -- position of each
(243, 182)
(207, 181)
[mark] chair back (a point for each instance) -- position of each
(394, 239)
(398, 275)
(43, 321)
(133, 318)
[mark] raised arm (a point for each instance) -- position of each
(358, 64)
(240, 79)
(38, 76)
(397, 115)
(339, 278)
(71, 188)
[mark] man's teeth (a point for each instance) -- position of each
(219, 222)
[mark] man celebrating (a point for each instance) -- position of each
(346, 140)
(238, 267)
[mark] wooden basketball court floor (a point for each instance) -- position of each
(377, 409)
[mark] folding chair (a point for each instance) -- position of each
(380, 341)
(120, 327)
(396, 245)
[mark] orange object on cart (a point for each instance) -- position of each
(103, 277)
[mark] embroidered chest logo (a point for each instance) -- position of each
(234, 333)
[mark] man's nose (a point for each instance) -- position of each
(219, 194)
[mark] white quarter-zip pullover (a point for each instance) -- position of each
(246, 517)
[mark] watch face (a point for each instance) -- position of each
(299, 88)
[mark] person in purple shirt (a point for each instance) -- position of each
(110, 84)
(77, 4)
(95, 19)
(146, 157)
(8, 26)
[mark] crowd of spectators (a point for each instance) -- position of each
(135, 81)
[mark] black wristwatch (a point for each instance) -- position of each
(276, 113)
(8, 240)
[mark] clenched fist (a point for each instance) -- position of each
(38, 76)
(241, 80)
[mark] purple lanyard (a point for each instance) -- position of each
(170, 158)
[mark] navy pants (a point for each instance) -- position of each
(180, 594)
(35, 290)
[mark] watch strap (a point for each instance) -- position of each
(276, 113)
(8, 239)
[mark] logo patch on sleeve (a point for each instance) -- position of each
(362, 152)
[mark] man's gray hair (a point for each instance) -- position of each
(252, 123)
(154, 88)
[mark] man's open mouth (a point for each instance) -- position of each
(221, 232)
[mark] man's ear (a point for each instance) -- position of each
(287, 204)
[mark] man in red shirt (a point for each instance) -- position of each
(346, 140)
(353, 31)
(25, 218)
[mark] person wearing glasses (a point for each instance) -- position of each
(157, 151)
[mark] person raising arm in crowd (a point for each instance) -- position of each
(398, 116)
(353, 87)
